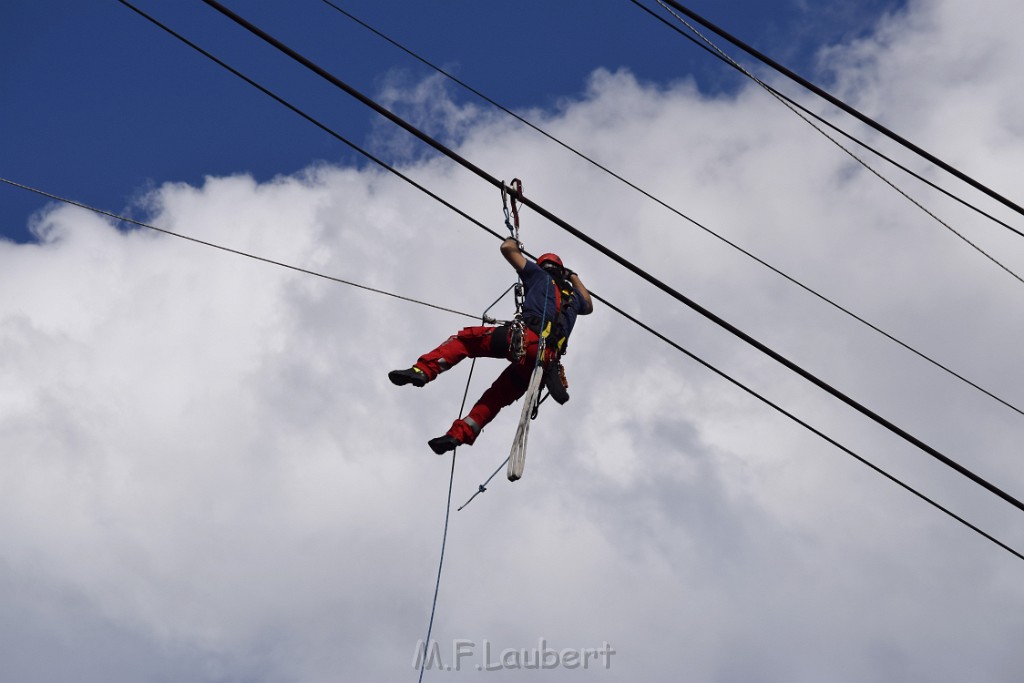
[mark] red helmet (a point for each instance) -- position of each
(549, 258)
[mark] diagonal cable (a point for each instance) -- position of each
(838, 144)
(848, 109)
(825, 122)
(806, 426)
(230, 250)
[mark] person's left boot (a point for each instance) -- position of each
(557, 385)
(443, 444)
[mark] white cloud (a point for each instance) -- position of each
(205, 470)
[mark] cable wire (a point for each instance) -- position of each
(614, 256)
(697, 224)
(805, 425)
(825, 122)
(847, 108)
(230, 250)
(666, 340)
(280, 100)
(845, 149)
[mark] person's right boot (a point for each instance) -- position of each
(413, 376)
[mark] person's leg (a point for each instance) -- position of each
(470, 342)
(506, 389)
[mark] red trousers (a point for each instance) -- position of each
(484, 342)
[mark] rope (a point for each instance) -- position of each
(448, 505)
(440, 565)
(483, 487)
(840, 145)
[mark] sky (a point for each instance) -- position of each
(206, 476)
(102, 105)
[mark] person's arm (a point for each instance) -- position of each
(588, 305)
(510, 250)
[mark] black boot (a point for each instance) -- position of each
(413, 376)
(443, 444)
(554, 380)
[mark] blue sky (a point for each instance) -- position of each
(100, 104)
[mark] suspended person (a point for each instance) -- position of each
(554, 296)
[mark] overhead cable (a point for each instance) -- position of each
(230, 250)
(825, 122)
(676, 211)
(845, 149)
(847, 108)
(644, 275)
(280, 100)
(627, 316)
(807, 426)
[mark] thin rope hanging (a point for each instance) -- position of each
(448, 505)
